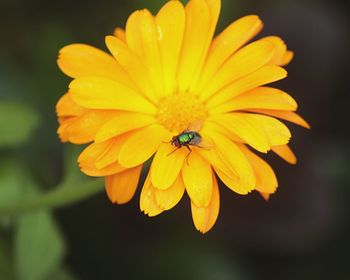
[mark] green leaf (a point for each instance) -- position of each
(11, 182)
(39, 247)
(17, 122)
(38, 244)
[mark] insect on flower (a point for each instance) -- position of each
(185, 139)
(190, 137)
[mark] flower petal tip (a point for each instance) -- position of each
(265, 196)
(307, 125)
(203, 229)
(151, 213)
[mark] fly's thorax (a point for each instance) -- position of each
(189, 138)
(185, 138)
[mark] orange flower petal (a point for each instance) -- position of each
(222, 130)
(284, 115)
(142, 145)
(264, 75)
(282, 56)
(91, 170)
(166, 166)
(120, 34)
(227, 42)
(122, 123)
(197, 176)
(265, 196)
(141, 37)
(231, 181)
(110, 155)
(93, 151)
(148, 202)
(170, 22)
(66, 107)
(235, 159)
(121, 187)
(214, 9)
(168, 198)
(132, 65)
(286, 153)
(259, 98)
(196, 34)
(204, 218)
(246, 128)
(266, 180)
(84, 128)
(80, 60)
(62, 129)
(287, 58)
(101, 93)
(280, 49)
(247, 60)
(89, 156)
(213, 157)
(276, 132)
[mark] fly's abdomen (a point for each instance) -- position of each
(196, 138)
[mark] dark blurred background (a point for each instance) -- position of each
(301, 233)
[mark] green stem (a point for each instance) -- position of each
(62, 195)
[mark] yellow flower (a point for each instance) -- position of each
(168, 77)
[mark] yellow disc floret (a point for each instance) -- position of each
(179, 111)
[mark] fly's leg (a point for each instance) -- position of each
(188, 147)
(173, 151)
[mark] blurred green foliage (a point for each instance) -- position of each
(38, 246)
(10, 181)
(17, 122)
(31, 245)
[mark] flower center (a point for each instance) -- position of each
(179, 112)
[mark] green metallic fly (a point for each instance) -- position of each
(189, 137)
(186, 139)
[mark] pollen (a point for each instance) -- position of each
(179, 112)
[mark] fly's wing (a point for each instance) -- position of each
(206, 143)
(199, 140)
